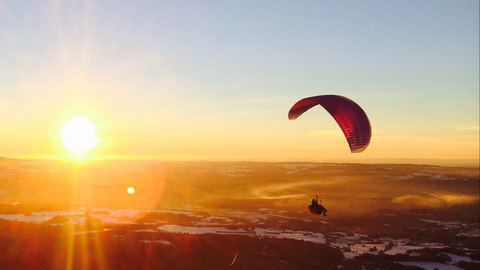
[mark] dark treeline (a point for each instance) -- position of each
(43, 246)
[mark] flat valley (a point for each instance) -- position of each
(238, 215)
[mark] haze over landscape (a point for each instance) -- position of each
(156, 135)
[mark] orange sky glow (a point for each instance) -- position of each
(168, 83)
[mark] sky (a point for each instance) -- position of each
(214, 80)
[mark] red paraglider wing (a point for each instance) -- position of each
(349, 116)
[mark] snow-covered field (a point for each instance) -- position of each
(351, 244)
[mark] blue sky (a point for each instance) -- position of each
(215, 79)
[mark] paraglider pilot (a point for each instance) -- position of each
(316, 208)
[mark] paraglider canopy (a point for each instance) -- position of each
(349, 116)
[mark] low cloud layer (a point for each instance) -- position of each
(434, 200)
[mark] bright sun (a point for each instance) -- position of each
(79, 135)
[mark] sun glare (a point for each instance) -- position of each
(79, 135)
